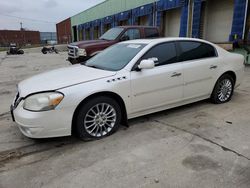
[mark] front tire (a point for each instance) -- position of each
(98, 118)
(20, 52)
(223, 90)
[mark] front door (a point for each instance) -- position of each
(161, 85)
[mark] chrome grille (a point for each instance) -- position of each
(73, 51)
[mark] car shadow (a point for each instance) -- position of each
(170, 112)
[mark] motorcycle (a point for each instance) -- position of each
(14, 50)
(49, 49)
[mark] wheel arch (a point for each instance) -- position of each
(115, 96)
(231, 73)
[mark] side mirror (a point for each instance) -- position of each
(146, 64)
(124, 38)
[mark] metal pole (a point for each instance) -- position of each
(245, 20)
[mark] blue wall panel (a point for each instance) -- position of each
(196, 19)
(146, 10)
(167, 4)
(158, 18)
(184, 21)
(123, 16)
(238, 20)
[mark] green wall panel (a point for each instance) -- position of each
(107, 8)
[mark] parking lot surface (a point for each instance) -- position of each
(197, 145)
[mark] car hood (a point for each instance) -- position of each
(60, 78)
(88, 43)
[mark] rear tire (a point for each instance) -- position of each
(98, 118)
(223, 90)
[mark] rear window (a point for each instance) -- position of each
(195, 50)
(151, 33)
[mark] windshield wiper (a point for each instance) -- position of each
(92, 66)
(105, 39)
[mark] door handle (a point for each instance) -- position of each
(176, 74)
(213, 67)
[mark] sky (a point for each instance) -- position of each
(39, 15)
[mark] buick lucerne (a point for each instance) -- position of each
(127, 80)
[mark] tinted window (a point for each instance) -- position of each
(112, 34)
(195, 50)
(151, 33)
(165, 53)
(132, 34)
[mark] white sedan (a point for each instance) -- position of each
(127, 80)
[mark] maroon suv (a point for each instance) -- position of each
(83, 50)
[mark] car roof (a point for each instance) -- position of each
(137, 26)
(166, 39)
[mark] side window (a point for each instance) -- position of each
(165, 53)
(151, 33)
(195, 50)
(132, 34)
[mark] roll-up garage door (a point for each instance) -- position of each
(96, 32)
(107, 27)
(218, 20)
(124, 22)
(143, 20)
(171, 22)
(87, 34)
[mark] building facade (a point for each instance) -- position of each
(218, 21)
(63, 30)
(20, 37)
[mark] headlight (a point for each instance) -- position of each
(82, 52)
(43, 101)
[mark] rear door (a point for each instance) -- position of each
(151, 33)
(200, 65)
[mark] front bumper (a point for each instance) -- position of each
(46, 124)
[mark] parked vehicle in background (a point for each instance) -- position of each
(127, 80)
(51, 42)
(49, 49)
(83, 50)
(14, 50)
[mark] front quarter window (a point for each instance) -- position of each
(115, 57)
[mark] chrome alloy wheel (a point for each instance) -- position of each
(225, 90)
(100, 120)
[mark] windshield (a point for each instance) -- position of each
(115, 57)
(112, 34)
